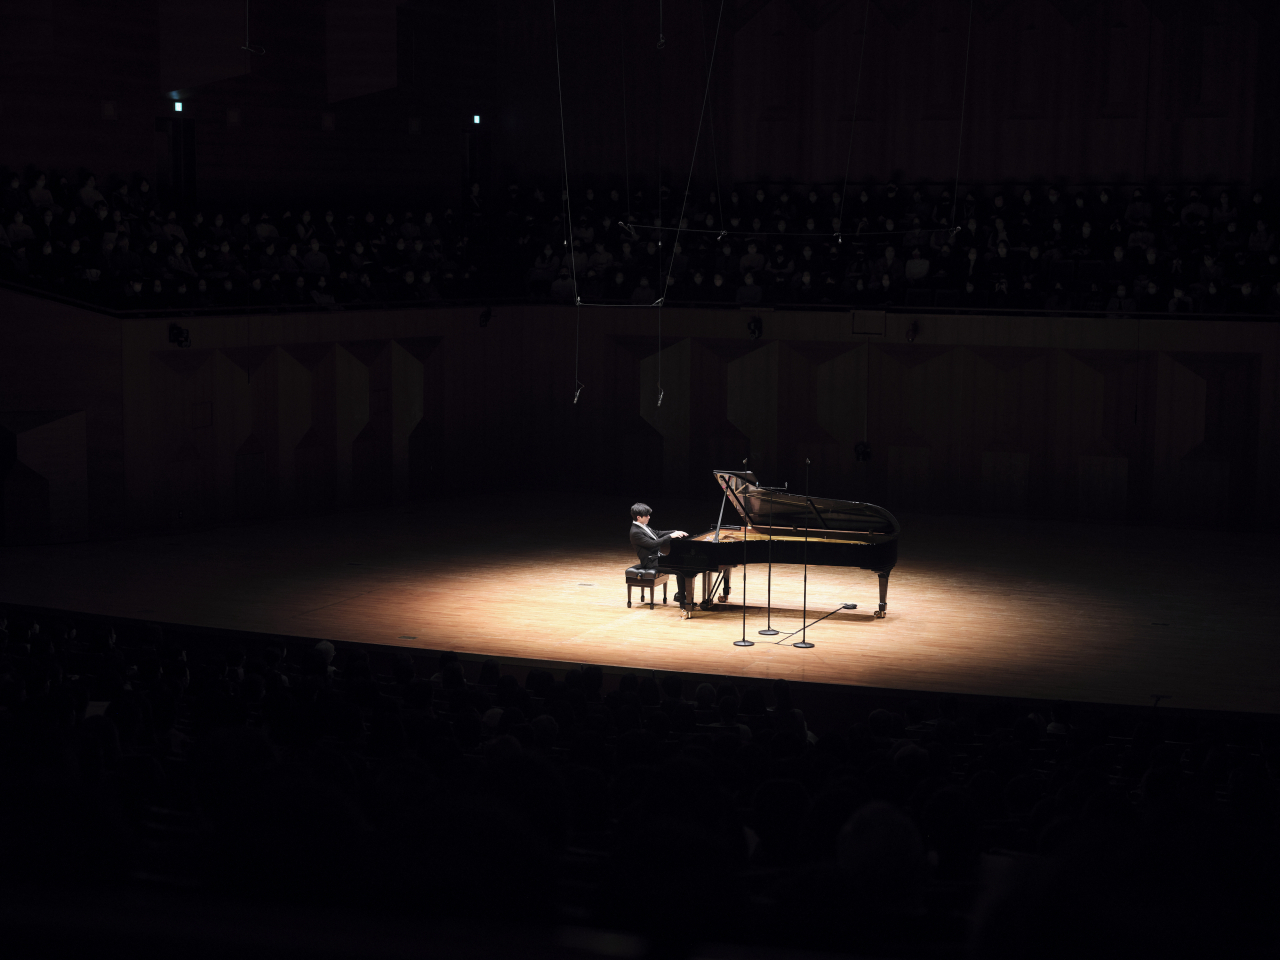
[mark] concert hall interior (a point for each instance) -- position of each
(660, 479)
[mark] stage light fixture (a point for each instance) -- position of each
(475, 118)
(177, 106)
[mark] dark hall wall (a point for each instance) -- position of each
(1164, 421)
(375, 99)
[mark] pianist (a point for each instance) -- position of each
(651, 545)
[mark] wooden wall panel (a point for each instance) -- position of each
(1145, 421)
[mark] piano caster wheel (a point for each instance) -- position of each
(724, 598)
(879, 615)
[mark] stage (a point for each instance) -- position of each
(977, 605)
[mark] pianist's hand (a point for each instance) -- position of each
(679, 533)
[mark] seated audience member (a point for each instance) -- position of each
(19, 231)
(89, 195)
(299, 294)
(751, 261)
(1057, 298)
(427, 290)
(888, 291)
(1194, 210)
(803, 288)
(323, 296)
(405, 288)
(643, 294)
(889, 264)
(617, 291)
(601, 260)
(1121, 304)
(1141, 237)
(1211, 298)
(1118, 269)
(315, 262)
(290, 263)
(1224, 212)
(592, 287)
(1246, 300)
(748, 293)
(1260, 240)
(257, 294)
(1151, 299)
(916, 269)
(563, 288)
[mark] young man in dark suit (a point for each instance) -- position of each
(652, 545)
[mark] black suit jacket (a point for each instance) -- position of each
(649, 550)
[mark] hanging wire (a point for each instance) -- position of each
(711, 122)
(853, 120)
(662, 42)
(626, 143)
(568, 199)
(964, 98)
(697, 139)
(577, 343)
(248, 47)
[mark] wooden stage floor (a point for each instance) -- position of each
(976, 605)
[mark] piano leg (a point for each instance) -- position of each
(884, 590)
(724, 592)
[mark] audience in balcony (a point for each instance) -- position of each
(1029, 249)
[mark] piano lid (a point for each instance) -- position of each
(781, 511)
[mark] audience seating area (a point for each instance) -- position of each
(337, 777)
(1114, 251)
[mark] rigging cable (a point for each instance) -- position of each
(662, 42)
(693, 161)
(666, 279)
(711, 122)
(568, 203)
(853, 119)
(626, 144)
(964, 98)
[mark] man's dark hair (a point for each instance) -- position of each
(641, 510)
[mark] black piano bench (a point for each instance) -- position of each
(646, 579)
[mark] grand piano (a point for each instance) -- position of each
(786, 527)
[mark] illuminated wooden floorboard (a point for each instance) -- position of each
(1000, 607)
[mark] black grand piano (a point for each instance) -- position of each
(790, 528)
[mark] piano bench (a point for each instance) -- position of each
(646, 579)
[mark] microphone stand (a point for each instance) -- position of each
(768, 630)
(804, 643)
(746, 524)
